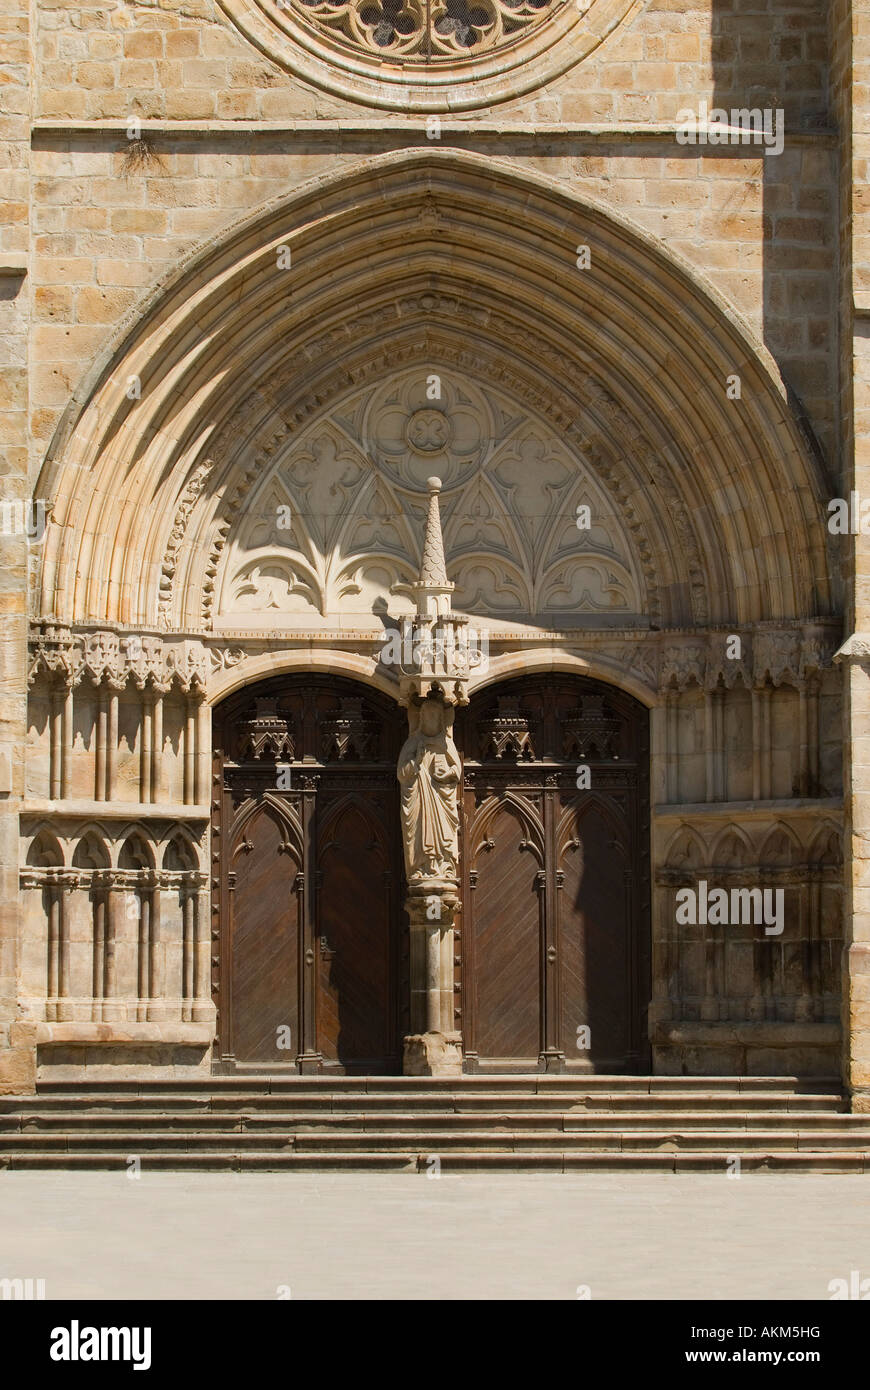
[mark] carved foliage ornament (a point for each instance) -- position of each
(348, 735)
(105, 657)
(507, 734)
(782, 656)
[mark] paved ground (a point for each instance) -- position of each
(457, 1236)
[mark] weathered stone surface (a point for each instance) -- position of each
(433, 1054)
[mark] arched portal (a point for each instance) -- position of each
(417, 265)
(239, 489)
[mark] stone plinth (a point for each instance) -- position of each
(433, 1054)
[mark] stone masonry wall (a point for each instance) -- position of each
(763, 230)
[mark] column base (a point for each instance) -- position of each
(309, 1063)
(433, 1054)
(552, 1060)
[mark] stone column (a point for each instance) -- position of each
(115, 686)
(202, 775)
(433, 678)
(116, 936)
(68, 723)
(855, 659)
(203, 1008)
(147, 708)
(101, 743)
(156, 742)
(57, 697)
(430, 773)
(190, 711)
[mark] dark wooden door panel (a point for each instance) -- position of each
(506, 945)
(584, 918)
(264, 943)
(356, 1004)
(554, 932)
(594, 931)
(325, 960)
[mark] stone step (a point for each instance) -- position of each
(438, 1101)
(257, 1083)
(401, 1123)
(363, 1141)
(26, 1120)
(833, 1161)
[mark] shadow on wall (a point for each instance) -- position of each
(773, 55)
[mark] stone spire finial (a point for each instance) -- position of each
(434, 639)
(433, 588)
(433, 570)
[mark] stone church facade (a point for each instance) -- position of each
(418, 569)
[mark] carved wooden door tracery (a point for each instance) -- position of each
(311, 941)
(309, 933)
(554, 939)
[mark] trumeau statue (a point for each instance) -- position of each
(429, 767)
(429, 772)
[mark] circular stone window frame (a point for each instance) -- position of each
(512, 70)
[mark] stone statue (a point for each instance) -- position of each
(429, 772)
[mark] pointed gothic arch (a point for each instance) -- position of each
(228, 376)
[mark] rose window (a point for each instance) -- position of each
(429, 56)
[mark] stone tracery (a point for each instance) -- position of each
(353, 483)
(417, 32)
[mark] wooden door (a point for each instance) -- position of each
(554, 955)
(308, 898)
(357, 1023)
(503, 943)
(264, 930)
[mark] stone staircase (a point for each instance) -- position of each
(553, 1123)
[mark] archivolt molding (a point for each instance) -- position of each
(176, 536)
(591, 420)
(428, 57)
(721, 499)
